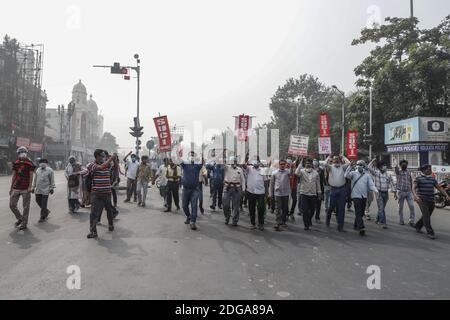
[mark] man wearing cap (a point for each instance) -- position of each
(21, 185)
(361, 185)
(43, 185)
(234, 185)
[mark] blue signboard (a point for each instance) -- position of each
(417, 148)
(404, 131)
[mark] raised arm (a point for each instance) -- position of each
(372, 169)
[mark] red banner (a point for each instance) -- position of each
(163, 131)
(324, 125)
(23, 142)
(36, 147)
(243, 126)
(352, 148)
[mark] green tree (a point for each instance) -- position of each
(108, 142)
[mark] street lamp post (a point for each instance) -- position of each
(370, 122)
(70, 112)
(343, 118)
(138, 71)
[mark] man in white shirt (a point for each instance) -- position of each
(234, 185)
(161, 176)
(132, 167)
(256, 193)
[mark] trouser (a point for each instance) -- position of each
(348, 188)
(74, 205)
(42, 201)
(402, 196)
(131, 189)
(163, 193)
(382, 200)
(360, 208)
(294, 201)
(217, 193)
(318, 208)
(26, 199)
(427, 209)
(231, 198)
(142, 188)
(86, 201)
(100, 201)
(337, 203)
(190, 197)
(282, 209)
(308, 204)
(256, 201)
(173, 190)
(370, 198)
(327, 192)
(114, 196)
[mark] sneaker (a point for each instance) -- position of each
(253, 227)
(220, 207)
(419, 230)
(401, 223)
(202, 210)
(18, 223)
(385, 226)
(431, 236)
(341, 229)
(227, 221)
(92, 235)
(307, 229)
(213, 208)
(126, 201)
(139, 204)
(41, 220)
(234, 224)
(143, 205)
(292, 218)
(168, 210)
(362, 233)
(368, 217)
(188, 221)
(111, 228)
(178, 208)
(193, 226)
(22, 227)
(261, 228)
(277, 227)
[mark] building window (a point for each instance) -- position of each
(413, 159)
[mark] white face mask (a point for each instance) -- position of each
(22, 155)
(43, 165)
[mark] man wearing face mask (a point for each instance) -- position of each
(383, 181)
(234, 184)
(132, 168)
(21, 186)
(43, 185)
(310, 191)
(280, 189)
(361, 185)
(321, 173)
(336, 179)
(293, 180)
(404, 192)
(256, 192)
(73, 175)
(173, 175)
(191, 189)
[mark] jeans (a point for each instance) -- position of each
(200, 196)
(217, 192)
(131, 189)
(337, 202)
(163, 193)
(382, 200)
(231, 198)
(360, 208)
(74, 205)
(318, 208)
(173, 190)
(327, 192)
(100, 201)
(114, 196)
(190, 196)
(26, 199)
(256, 201)
(308, 204)
(402, 196)
(282, 209)
(42, 201)
(427, 209)
(294, 201)
(142, 188)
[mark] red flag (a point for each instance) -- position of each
(324, 125)
(243, 127)
(352, 148)
(163, 131)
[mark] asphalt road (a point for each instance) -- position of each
(153, 255)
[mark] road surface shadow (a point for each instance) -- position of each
(24, 239)
(116, 245)
(47, 227)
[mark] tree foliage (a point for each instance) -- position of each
(108, 143)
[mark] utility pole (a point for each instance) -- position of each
(343, 118)
(412, 8)
(370, 123)
(118, 69)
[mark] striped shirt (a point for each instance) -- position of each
(404, 180)
(425, 187)
(101, 179)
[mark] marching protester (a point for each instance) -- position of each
(423, 190)
(293, 180)
(256, 193)
(321, 173)
(310, 191)
(361, 185)
(143, 176)
(203, 179)
(21, 186)
(217, 177)
(173, 175)
(191, 189)
(234, 185)
(132, 167)
(403, 188)
(383, 182)
(73, 174)
(280, 190)
(115, 179)
(336, 169)
(161, 177)
(43, 186)
(100, 191)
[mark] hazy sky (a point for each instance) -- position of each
(203, 60)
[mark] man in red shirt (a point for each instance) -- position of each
(21, 185)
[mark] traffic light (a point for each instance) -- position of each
(116, 69)
(137, 129)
